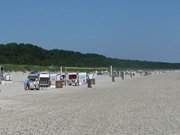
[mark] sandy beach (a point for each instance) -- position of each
(141, 106)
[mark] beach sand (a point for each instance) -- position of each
(140, 106)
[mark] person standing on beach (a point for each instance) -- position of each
(26, 84)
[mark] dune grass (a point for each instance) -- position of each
(24, 68)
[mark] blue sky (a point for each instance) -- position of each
(128, 29)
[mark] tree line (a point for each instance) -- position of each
(29, 54)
